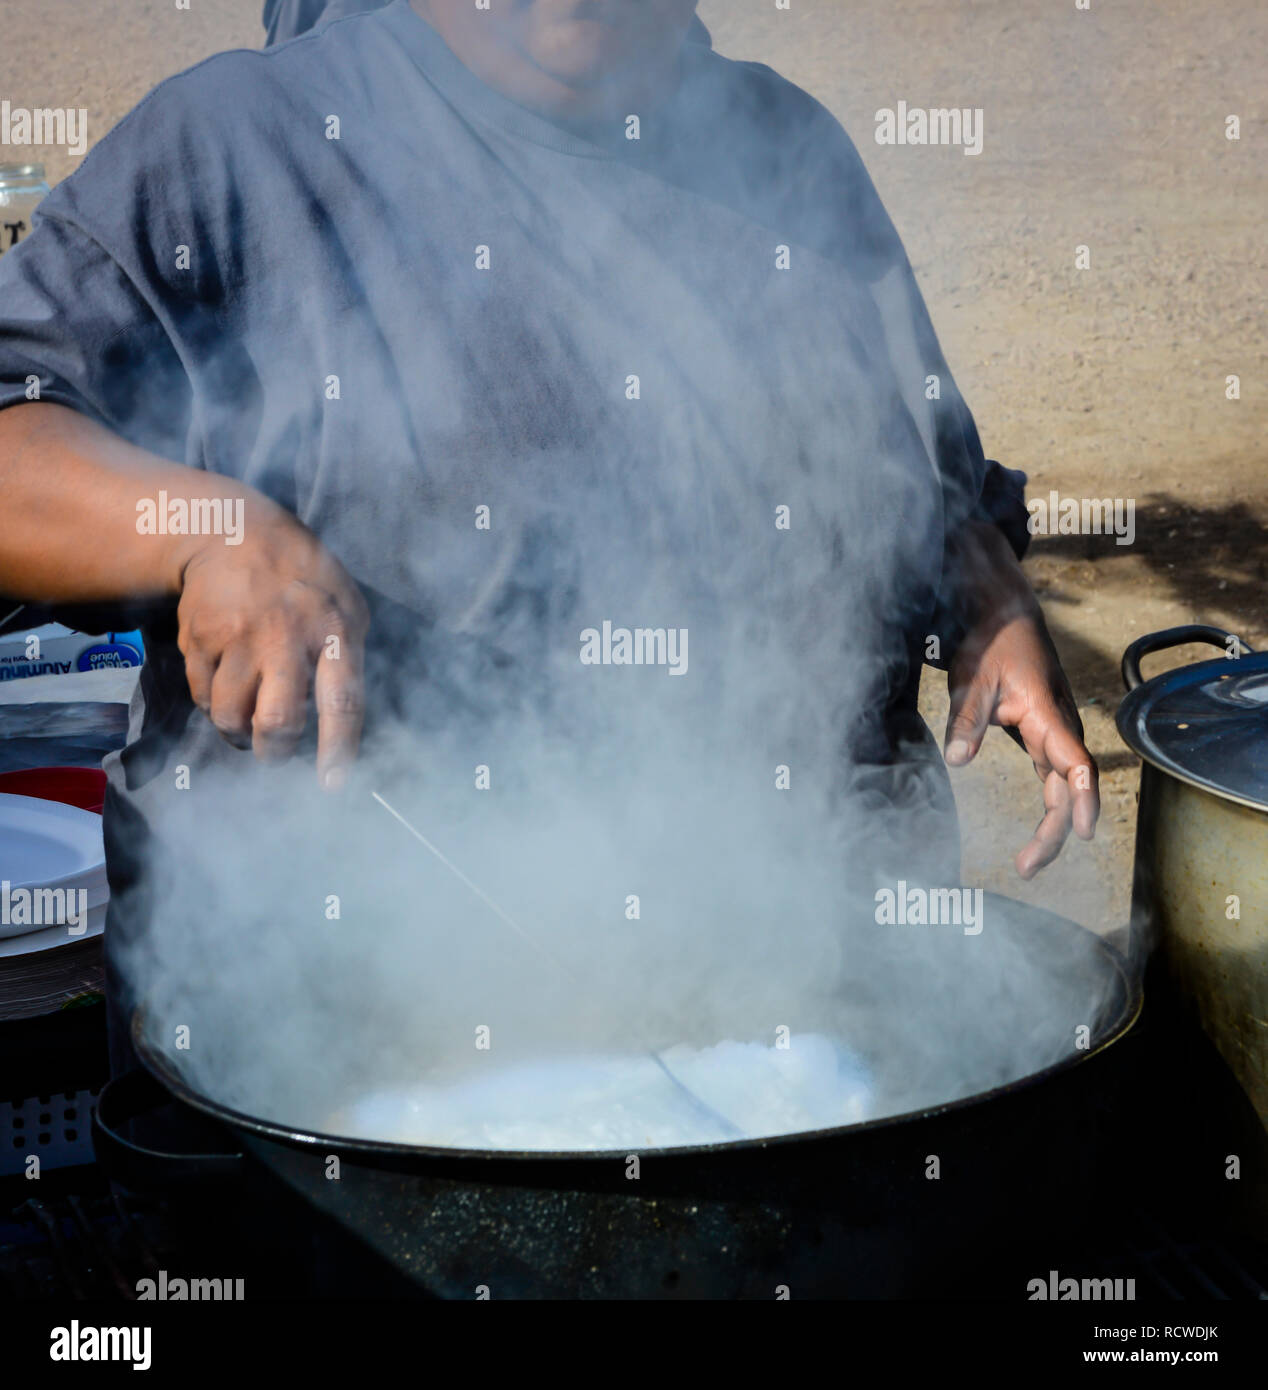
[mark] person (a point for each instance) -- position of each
(554, 262)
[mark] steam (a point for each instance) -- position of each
(640, 828)
(704, 852)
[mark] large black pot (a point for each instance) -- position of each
(895, 1207)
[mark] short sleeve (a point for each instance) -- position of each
(973, 487)
(73, 322)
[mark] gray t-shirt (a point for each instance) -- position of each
(346, 271)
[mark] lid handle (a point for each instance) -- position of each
(1175, 637)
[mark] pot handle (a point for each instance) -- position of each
(1174, 637)
(128, 1097)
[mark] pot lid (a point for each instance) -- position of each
(1206, 724)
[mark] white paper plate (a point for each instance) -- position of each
(47, 844)
(49, 938)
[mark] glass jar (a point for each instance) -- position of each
(21, 188)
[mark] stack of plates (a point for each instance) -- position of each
(53, 896)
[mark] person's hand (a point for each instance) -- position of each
(1006, 672)
(262, 623)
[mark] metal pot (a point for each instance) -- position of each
(1200, 888)
(902, 1205)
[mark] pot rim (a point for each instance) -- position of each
(1129, 709)
(160, 1066)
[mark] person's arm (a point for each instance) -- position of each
(68, 531)
(255, 618)
(991, 637)
(1006, 672)
(98, 411)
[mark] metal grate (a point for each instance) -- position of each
(55, 1128)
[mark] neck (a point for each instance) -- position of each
(587, 106)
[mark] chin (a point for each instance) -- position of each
(581, 52)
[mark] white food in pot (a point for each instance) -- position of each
(625, 1101)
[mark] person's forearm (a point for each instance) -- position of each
(986, 581)
(69, 520)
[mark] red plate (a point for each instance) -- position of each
(84, 787)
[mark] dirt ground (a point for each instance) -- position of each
(1102, 128)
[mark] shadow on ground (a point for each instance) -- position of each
(1211, 559)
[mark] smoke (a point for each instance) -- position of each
(697, 858)
(700, 851)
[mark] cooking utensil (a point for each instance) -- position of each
(1201, 871)
(707, 1111)
(853, 1210)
